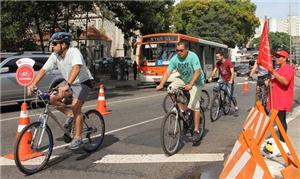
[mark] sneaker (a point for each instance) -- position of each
(68, 122)
(196, 136)
(236, 110)
(75, 144)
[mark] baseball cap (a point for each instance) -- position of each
(282, 53)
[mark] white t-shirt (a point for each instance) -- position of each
(73, 57)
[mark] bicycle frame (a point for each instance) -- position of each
(221, 88)
(43, 118)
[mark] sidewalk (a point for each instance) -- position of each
(111, 84)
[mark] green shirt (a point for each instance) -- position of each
(186, 67)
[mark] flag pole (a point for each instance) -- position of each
(270, 76)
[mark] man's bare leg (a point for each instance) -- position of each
(76, 108)
(55, 100)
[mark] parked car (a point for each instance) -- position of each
(242, 69)
(11, 91)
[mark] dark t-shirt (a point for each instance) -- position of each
(224, 69)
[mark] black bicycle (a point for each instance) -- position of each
(168, 101)
(220, 100)
(262, 95)
(39, 139)
(177, 124)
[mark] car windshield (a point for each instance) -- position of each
(157, 52)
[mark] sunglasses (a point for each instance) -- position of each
(179, 50)
(54, 43)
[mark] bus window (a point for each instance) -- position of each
(160, 54)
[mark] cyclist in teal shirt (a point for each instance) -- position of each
(191, 78)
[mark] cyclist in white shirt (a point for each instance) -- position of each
(78, 80)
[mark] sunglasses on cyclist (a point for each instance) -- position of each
(179, 50)
(54, 43)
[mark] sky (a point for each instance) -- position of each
(276, 8)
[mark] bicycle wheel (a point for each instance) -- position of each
(33, 148)
(214, 108)
(167, 103)
(170, 133)
(205, 99)
(93, 130)
(202, 123)
(226, 103)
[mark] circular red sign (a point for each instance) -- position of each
(25, 75)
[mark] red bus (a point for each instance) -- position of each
(154, 52)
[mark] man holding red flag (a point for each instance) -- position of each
(282, 80)
(282, 87)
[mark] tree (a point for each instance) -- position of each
(229, 22)
(277, 40)
(36, 17)
(146, 16)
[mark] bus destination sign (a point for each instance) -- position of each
(160, 38)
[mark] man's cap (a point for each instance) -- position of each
(282, 53)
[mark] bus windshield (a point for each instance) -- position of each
(160, 54)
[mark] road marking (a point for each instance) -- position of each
(7, 162)
(35, 161)
(117, 130)
(161, 158)
(92, 106)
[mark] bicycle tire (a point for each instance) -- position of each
(172, 119)
(93, 124)
(214, 108)
(33, 131)
(205, 100)
(202, 123)
(226, 102)
(168, 103)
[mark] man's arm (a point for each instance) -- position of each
(280, 78)
(74, 73)
(212, 74)
(37, 78)
(193, 81)
(253, 70)
(232, 75)
(163, 80)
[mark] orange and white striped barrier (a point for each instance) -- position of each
(25, 151)
(101, 104)
(246, 160)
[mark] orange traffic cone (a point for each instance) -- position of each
(246, 87)
(101, 105)
(24, 147)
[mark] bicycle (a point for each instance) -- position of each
(168, 101)
(220, 100)
(41, 138)
(177, 124)
(262, 90)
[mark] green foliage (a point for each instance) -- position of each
(21, 19)
(229, 22)
(277, 40)
(146, 16)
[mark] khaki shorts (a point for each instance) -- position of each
(195, 93)
(78, 91)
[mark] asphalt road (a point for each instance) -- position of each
(131, 147)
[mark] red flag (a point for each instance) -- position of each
(264, 54)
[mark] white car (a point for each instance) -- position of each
(11, 91)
